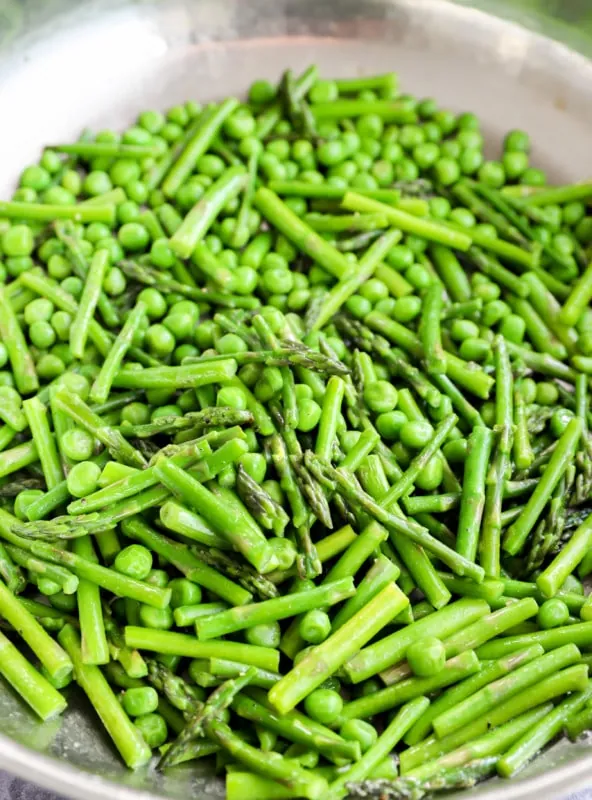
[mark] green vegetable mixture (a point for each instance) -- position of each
(295, 461)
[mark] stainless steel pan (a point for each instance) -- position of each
(65, 64)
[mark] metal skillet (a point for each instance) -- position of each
(67, 64)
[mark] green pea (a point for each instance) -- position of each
(358, 730)
(58, 267)
(560, 420)
(552, 614)
(488, 413)
(431, 475)
(261, 91)
(264, 635)
(18, 241)
(515, 164)
(380, 396)
(517, 141)
(184, 593)
(309, 414)
(231, 397)
(407, 308)
(315, 626)
(547, 394)
(158, 577)
(23, 500)
(77, 444)
(135, 561)
(426, 656)
(534, 177)
(493, 312)
(426, 155)
(475, 349)
(133, 236)
(513, 328)
(358, 306)
(240, 124)
(323, 705)
(447, 170)
(493, 174)
(370, 125)
(156, 305)
(156, 618)
(390, 424)
(418, 276)
(255, 465)
(140, 700)
(374, 290)
(284, 551)
(38, 310)
(153, 728)
(455, 451)
(83, 478)
(415, 434)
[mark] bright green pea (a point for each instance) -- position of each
(447, 171)
(513, 328)
(42, 335)
(83, 478)
(358, 730)
(77, 444)
(515, 164)
(264, 635)
(517, 141)
(156, 304)
(418, 276)
(38, 310)
(364, 181)
(96, 183)
(547, 394)
(135, 561)
(315, 626)
(560, 420)
(23, 500)
(133, 236)
(284, 551)
(380, 396)
(309, 414)
(323, 705)
(475, 349)
(184, 592)
(171, 410)
(400, 257)
(374, 290)
(153, 728)
(446, 121)
(493, 174)
(431, 475)
(426, 656)
(389, 424)
(140, 700)
(244, 280)
(156, 618)
(426, 155)
(415, 434)
(455, 451)
(358, 306)
(255, 465)
(552, 614)
(231, 397)
(462, 329)
(407, 308)
(18, 241)
(35, 177)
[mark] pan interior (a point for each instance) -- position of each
(66, 65)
